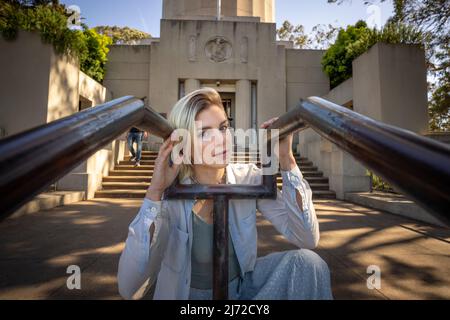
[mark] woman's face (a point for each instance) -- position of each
(212, 142)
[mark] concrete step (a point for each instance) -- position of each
(143, 178)
(319, 186)
(151, 167)
(147, 179)
(151, 162)
(132, 193)
(139, 175)
(128, 181)
(146, 152)
(131, 173)
(134, 185)
(120, 193)
(149, 173)
(322, 194)
(317, 180)
(125, 185)
(153, 157)
(309, 174)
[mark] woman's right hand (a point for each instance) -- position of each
(163, 173)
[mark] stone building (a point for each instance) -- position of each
(229, 45)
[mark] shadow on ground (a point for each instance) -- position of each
(35, 251)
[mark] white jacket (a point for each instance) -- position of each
(166, 259)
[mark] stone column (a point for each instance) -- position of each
(243, 104)
(243, 108)
(191, 85)
(390, 85)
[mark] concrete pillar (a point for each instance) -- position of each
(344, 172)
(243, 104)
(244, 110)
(191, 85)
(390, 85)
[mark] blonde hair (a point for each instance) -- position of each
(184, 113)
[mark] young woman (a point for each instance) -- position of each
(169, 244)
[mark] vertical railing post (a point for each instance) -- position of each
(220, 248)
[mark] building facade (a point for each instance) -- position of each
(236, 53)
(231, 47)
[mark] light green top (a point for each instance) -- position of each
(202, 255)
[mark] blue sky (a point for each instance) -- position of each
(145, 14)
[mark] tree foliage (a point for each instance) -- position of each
(93, 63)
(122, 35)
(320, 38)
(357, 39)
(337, 60)
(49, 19)
(431, 17)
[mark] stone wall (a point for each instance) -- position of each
(38, 86)
(128, 70)
(389, 85)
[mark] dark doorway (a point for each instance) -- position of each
(228, 101)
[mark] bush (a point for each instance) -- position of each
(50, 21)
(355, 40)
(378, 184)
(337, 60)
(94, 61)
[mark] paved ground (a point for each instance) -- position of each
(36, 249)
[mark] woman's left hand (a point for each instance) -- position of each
(285, 154)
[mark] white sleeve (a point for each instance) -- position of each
(298, 225)
(134, 264)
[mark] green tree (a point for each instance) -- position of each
(50, 21)
(122, 35)
(33, 3)
(355, 40)
(337, 61)
(94, 61)
(296, 34)
(320, 37)
(431, 17)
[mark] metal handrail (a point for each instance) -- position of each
(221, 194)
(417, 166)
(32, 160)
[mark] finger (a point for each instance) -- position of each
(164, 146)
(265, 125)
(269, 122)
(166, 152)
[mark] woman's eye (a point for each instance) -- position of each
(224, 128)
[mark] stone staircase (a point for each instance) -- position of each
(127, 181)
